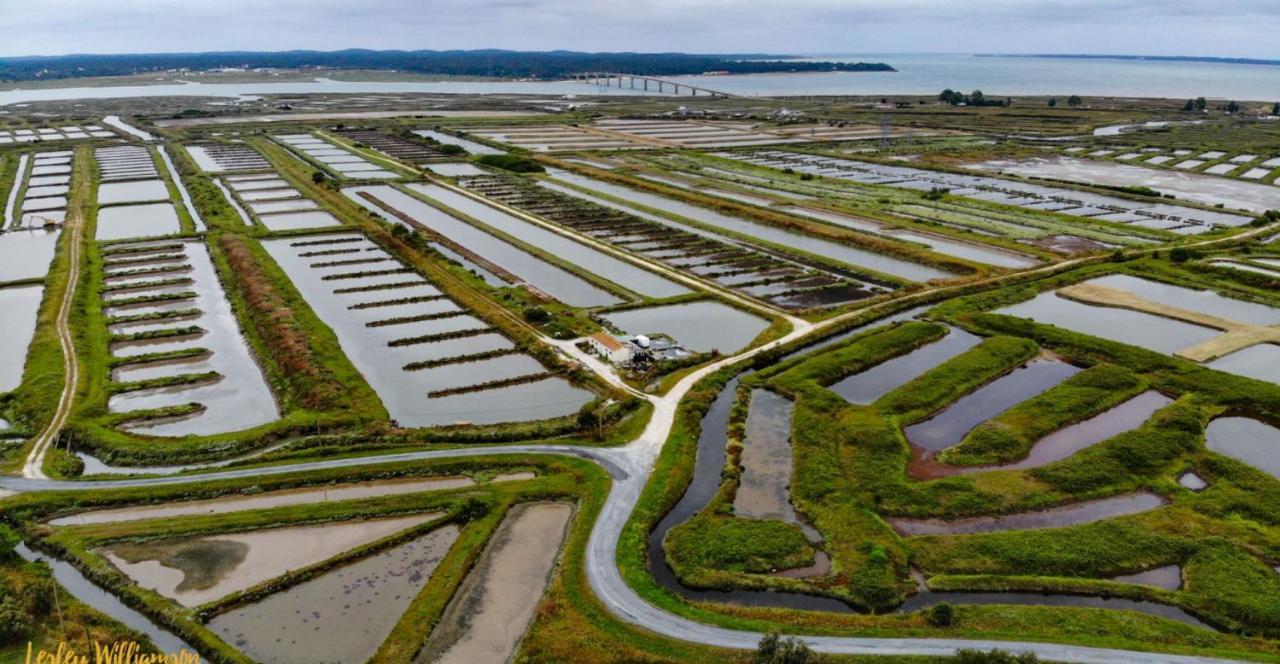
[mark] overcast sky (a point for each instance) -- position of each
(1240, 28)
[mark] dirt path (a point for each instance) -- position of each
(34, 467)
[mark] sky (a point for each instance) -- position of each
(1228, 28)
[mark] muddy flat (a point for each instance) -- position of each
(341, 616)
(198, 570)
(493, 607)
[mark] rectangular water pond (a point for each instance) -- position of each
(551, 279)
(1055, 517)
(1248, 440)
(17, 327)
(241, 398)
(495, 604)
(868, 386)
(342, 615)
(128, 221)
(506, 388)
(830, 249)
(136, 191)
(1261, 362)
(616, 270)
(955, 421)
(1162, 335)
(26, 254)
(700, 326)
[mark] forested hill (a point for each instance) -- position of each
(506, 64)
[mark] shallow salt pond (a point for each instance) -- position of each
(137, 191)
(342, 615)
(17, 327)
(282, 498)
(128, 221)
(452, 170)
(496, 602)
(551, 279)
(197, 570)
(869, 385)
(1248, 440)
(292, 205)
(950, 426)
(780, 236)
(700, 326)
(1261, 362)
(1163, 335)
(449, 139)
(240, 400)
(290, 221)
(1202, 301)
(26, 254)
(406, 393)
(764, 490)
(616, 270)
(1056, 517)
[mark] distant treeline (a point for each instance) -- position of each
(497, 63)
(1155, 58)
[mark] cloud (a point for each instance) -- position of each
(1230, 28)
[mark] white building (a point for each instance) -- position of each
(605, 345)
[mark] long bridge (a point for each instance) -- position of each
(607, 79)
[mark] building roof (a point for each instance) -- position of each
(607, 341)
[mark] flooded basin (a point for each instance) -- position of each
(1056, 517)
(135, 191)
(1189, 186)
(120, 222)
(1162, 335)
(764, 490)
(1248, 440)
(449, 139)
(551, 279)
(507, 388)
(493, 607)
(199, 570)
(240, 400)
(342, 615)
(616, 270)
(292, 221)
(927, 599)
(1079, 436)
(698, 326)
(1202, 301)
(787, 238)
(1261, 362)
(868, 386)
(17, 327)
(26, 254)
(240, 503)
(950, 426)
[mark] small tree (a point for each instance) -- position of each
(1233, 107)
(976, 98)
(318, 177)
(1189, 106)
(1181, 254)
(9, 541)
(1201, 103)
(537, 315)
(1053, 102)
(1074, 101)
(1275, 108)
(774, 649)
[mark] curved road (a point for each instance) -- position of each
(630, 466)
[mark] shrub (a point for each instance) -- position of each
(537, 315)
(774, 649)
(967, 656)
(513, 163)
(941, 615)
(9, 540)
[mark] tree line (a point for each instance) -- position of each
(495, 63)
